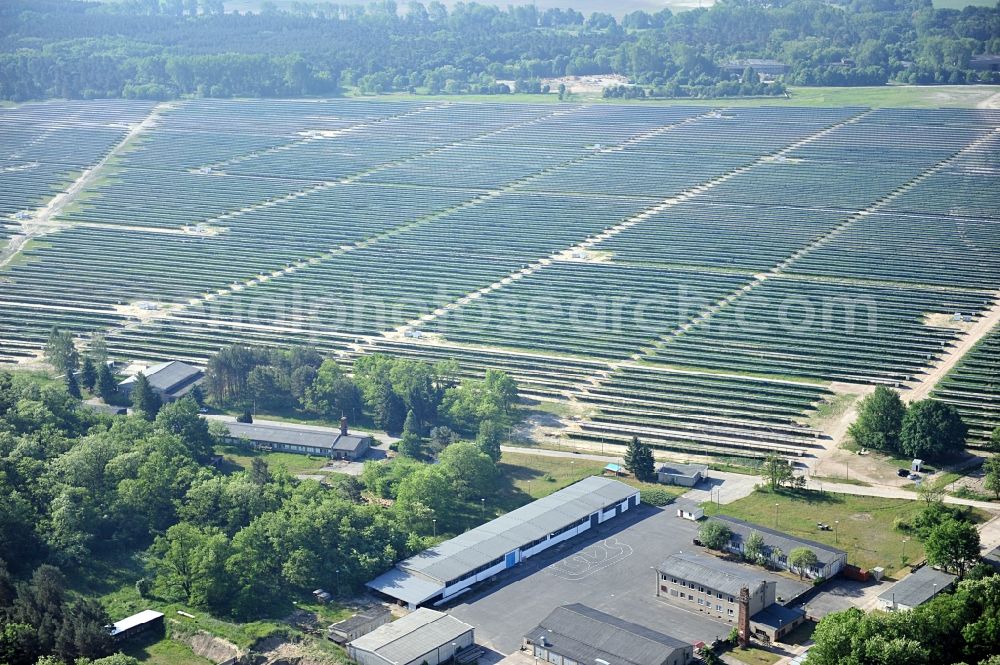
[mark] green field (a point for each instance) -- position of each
(236, 458)
(865, 528)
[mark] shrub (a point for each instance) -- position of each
(655, 497)
(902, 524)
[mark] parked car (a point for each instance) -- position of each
(903, 473)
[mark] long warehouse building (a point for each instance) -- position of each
(442, 572)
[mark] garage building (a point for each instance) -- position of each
(442, 572)
(423, 637)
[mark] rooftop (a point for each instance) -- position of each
(422, 576)
(917, 588)
(686, 470)
(772, 538)
(167, 377)
(139, 619)
(297, 435)
(409, 638)
(776, 616)
(714, 573)
(363, 617)
(588, 636)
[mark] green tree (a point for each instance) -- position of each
(801, 559)
(145, 402)
(332, 393)
(639, 460)
(60, 351)
(410, 443)
(953, 545)
(189, 565)
(107, 387)
(72, 385)
(426, 494)
(714, 535)
(879, 421)
(753, 549)
(776, 471)
(183, 420)
(98, 349)
(994, 442)
(473, 473)
(88, 373)
(932, 430)
(490, 438)
(991, 480)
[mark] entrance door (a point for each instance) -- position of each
(594, 519)
(511, 560)
(631, 502)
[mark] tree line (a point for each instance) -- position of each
(172, 48)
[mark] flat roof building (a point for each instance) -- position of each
(445, 570)
(425, 636)
(302, 439)
(685, 475)
(360, 624)
(580, 634)
(170, 380)
(915, 589)
(707, 584)
(777, 546)
(135, 624)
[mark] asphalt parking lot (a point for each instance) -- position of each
(611, 569)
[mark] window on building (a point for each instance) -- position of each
(718, 608)
(701, 589)
(701, 602)
(730, 611)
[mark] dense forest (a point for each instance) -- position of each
(80, 488)
(162, 49)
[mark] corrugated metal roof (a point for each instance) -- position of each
(741, 530)
(406, 586)
(297, 435)
(167, 376)
(458, 556)
(711, 572)
(412, 636)
(919, 587)
(585, 635)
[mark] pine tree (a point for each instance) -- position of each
(409, 444)
(144, 400)
(632, 454)
(107, 387)
(72, 386)
(88, 374)
(645, 465)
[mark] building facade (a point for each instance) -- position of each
(778, 545)
(700, 583)
(300, 439)
(425, 637)
(444, 571)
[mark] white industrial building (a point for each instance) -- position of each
(446, 570)
(424, 637)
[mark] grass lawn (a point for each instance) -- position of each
(237, 458)
(865, 528)
(526, 477)
(156, 650)
(753, 656)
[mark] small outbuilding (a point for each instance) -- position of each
(915, 589)
(423, 637)
(145, 621)
(360, 624)
(685, 475)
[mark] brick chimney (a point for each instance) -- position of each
(743, 619)
(343, 425)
